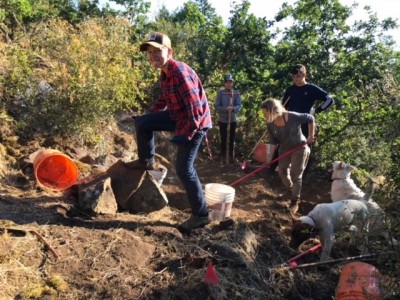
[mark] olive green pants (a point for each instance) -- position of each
(291, 170)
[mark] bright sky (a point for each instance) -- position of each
(269, 8)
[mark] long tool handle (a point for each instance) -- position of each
(228, 128)
(286, 101)
(210, 155)
(312, 249)
(228, 133)
(339, 260)
(255, 146)
(266, 165)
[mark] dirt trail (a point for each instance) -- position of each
(144, 256)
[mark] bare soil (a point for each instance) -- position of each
(50, 249)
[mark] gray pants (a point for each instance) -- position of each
(291, 170)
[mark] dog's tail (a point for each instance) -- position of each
(372, 185)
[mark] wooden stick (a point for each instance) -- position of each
(259, 141)
(147, 280)
(38, 235)
(287, 100)
(46, 243)
(228, 128)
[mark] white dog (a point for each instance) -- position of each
(343, 187)
(325, 220)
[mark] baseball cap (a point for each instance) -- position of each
(228, 78)
(299, 68)
(156, 39)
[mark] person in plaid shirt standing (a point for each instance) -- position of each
(183, 109)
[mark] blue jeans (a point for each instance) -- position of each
(161, 121)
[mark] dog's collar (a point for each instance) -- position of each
(308, 220)
(315, 223)
(338, 178)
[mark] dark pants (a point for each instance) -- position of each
(161, 121)
(223, 131)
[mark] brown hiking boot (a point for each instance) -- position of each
(194, 222)
(138, 164)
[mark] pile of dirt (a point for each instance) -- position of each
(50, 249)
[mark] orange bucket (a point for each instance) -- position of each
(264, 152)
(359, 281)
(54, 170)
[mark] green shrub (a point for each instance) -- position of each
(67, 80)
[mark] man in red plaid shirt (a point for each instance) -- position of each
(183, 109)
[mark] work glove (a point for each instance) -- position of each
(178, 139)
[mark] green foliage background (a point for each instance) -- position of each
(66, 68)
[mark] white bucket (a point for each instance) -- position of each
(159, 175)
(219, 198)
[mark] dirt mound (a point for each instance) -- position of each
(50, 249)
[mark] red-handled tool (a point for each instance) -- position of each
(244, 163)
(292, 262)
(267, 165)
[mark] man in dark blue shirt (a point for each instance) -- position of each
(302, 96)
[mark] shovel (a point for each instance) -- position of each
(244, 163)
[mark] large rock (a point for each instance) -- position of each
(96, 195)
(149, 197)
(133, 190)
(136, 190)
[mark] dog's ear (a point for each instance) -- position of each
(380, 180)
(351, 168)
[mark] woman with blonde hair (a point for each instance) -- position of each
(284, 128)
